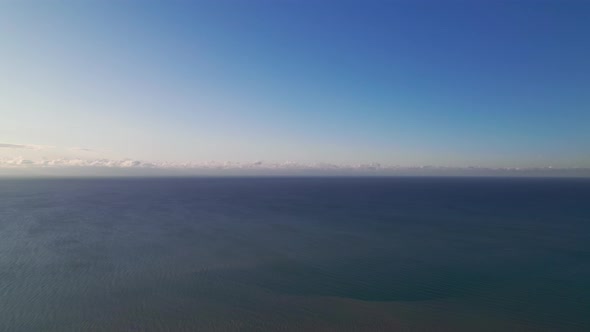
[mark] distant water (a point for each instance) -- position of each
(295, 254)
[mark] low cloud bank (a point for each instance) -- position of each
(100, 167)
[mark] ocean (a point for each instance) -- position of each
(295, 254)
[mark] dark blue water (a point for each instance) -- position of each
(295, 254)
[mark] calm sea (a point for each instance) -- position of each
(295, 254)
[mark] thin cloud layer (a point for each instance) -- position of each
(79, 149)
(24, 146)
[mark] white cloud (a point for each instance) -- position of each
(14, 162)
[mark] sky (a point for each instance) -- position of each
(295, 84)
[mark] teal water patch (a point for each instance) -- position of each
(368, 279)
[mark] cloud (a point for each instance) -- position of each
(16, 162)
(24, 146)
(81, 149)
(43, 147)
(64, 163)
(130, 167)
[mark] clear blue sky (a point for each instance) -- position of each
(451, 83)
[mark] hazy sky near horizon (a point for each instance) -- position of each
(449, 83)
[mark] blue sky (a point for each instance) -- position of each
(447, 83)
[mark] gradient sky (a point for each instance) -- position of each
(449, 83)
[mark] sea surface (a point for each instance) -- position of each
(295, 254)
